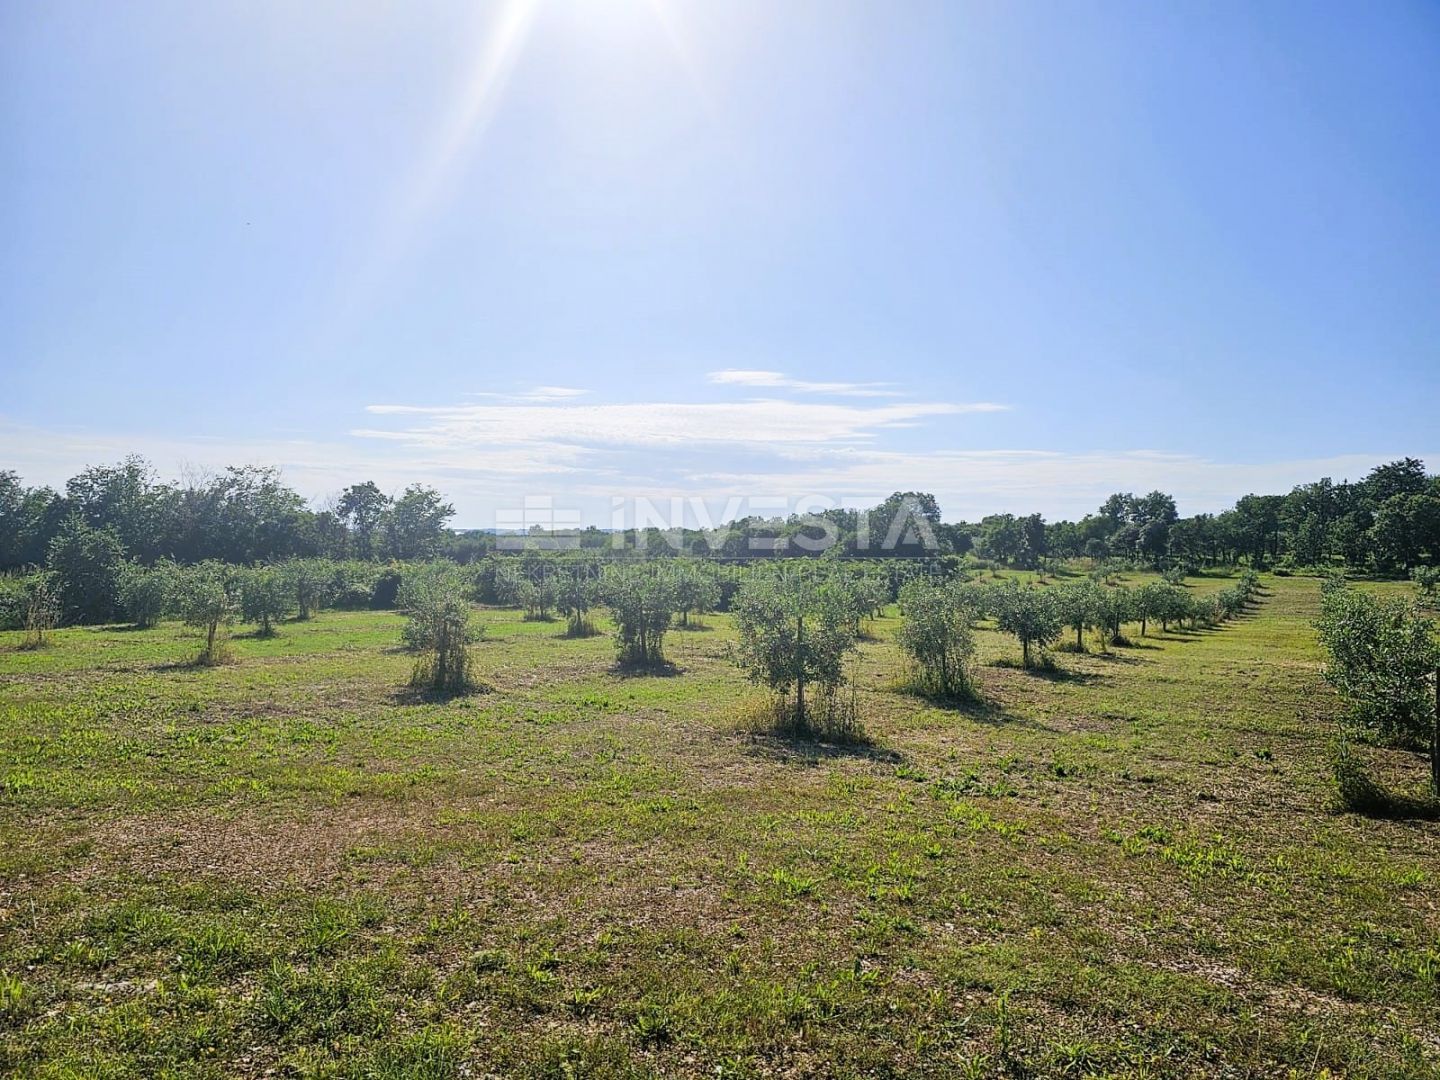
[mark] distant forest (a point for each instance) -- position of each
(1387, 523)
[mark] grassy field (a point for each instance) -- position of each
(287, 866)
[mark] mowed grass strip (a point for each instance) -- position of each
(288, 866)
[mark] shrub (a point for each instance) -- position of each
(795, 631)
(936, 634)
(438, 625)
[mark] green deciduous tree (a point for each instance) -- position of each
(144, 591)
(1382, 654)
(1082, 606)
(86, 565)
(415, 523)
(697, 590)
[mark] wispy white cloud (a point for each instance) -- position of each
(775, 380)
(762, 423)
(536, 394)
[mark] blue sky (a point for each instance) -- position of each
(1020, 255)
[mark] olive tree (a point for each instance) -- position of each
(202, 597)
(1082, 606)
(438, 626)
(795, 631)
(145, 591)
(697, 590)
(1033, 615)
(40, 610)
(641, 599)
(1382, 654)
(311, 582)
(264, 598)
(576, 592)
(1118, 605)
(936, 634)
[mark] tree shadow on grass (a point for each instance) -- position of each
(800, 748)
(664, 670)
(419, 695)
(1051, 672)
(1113, 657)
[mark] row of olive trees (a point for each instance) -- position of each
(1384, 661)
(939, 617)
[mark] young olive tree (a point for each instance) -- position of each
(1152, 602)
(1427, 584)
(1382, 656)
(937, 635)
(202, 597)
(264, 598)
(697, 590)
(1033, 615)
(1118, 605)
(438, 626)
(145, 591)
(576, 592)
(1082, 606)
(796, 630)
(642, 600)
(41, 609)
(311, 582)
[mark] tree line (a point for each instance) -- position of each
(114, 515)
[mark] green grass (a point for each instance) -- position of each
(287, 866)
